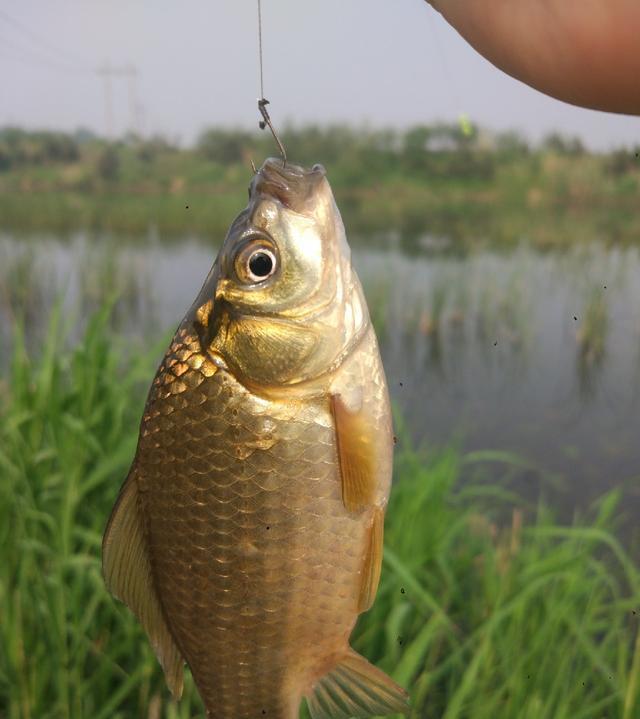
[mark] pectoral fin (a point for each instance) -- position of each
(372, 562)
(127, 573)
(356, 453)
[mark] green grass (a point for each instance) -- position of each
(477, 616)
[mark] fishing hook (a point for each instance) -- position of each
(266, 122)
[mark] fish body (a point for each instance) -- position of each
(247, 537)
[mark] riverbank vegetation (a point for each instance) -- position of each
(439, 180)
(488, 607)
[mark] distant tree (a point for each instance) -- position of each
(447, 137)
(58, 147)
(12, 135)
(415, 139)
(5, 158)
(511, 144)
(109, 164)
(148, 150)
(414, 148)
(83, 135)
(623, 161)
(446, 150)
(562, 145)
(224, 146)
(36, 147)
(13, 139)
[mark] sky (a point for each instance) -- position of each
(384, 63)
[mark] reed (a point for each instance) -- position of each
(476, 616)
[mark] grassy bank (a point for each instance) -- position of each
(429, 179)
(479, 618)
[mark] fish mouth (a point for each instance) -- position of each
(291, 185)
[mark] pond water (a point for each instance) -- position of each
(532, 352)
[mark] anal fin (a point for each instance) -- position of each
(127, 573)
(355, 688)
(372, 562)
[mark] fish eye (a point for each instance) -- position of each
(256, 263)
(262, 264)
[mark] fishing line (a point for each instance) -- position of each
(452, 84)
(260, 47)
(263, 102)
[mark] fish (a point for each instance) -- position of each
(248, 535)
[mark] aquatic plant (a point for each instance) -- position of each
(591, 334)
(479, 618)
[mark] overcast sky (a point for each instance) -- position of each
(381, 62)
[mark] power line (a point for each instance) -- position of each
(27, 56)
(42, 41)
(68, 63)
(106, 72)
(41, 64)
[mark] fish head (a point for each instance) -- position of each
(282, 304)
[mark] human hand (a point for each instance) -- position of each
(585, 52)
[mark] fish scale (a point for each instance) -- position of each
(301, 593)
(248, 536)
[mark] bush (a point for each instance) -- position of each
(109, 164)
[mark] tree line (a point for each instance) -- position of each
(437, 150)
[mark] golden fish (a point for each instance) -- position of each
(247, 537)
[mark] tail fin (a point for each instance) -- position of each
(355, 688)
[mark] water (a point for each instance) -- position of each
(530, 352)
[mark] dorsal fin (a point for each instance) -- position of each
(127, 573)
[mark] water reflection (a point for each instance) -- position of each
(529, 351)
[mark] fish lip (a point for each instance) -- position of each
(291, 185)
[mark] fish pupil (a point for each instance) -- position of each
(261, 264)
